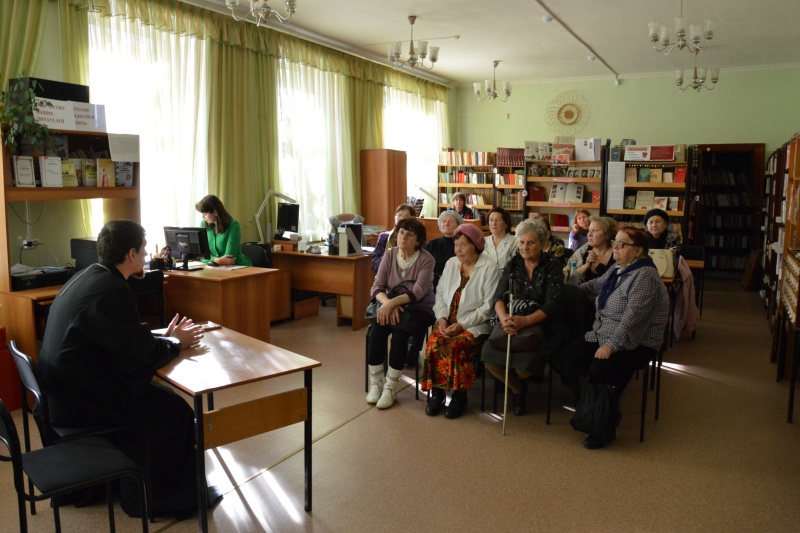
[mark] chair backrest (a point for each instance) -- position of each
(257, 255)
(10, 439)
(579, 311)
(692, 251)
(31, 380)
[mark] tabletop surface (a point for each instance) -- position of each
(226, 358)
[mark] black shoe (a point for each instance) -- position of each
(457, 405)
(435, 402)
(593, 443)
(518, 400)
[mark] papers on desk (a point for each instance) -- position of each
(226, 267)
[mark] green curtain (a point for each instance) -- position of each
(74, 24)
(21, 32)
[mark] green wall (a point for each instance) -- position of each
(757, 106)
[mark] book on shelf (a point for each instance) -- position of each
(536, 194)
(105, 173)
(57, 146)
(644, 200)
(596, 196)
(656, 175)
(69, 176)
(587, 149)
(562, 158)
(574, 192)
(644, 175)
(558, 192)
(660, 202)
(89, 172)
(78, 162)
(631, 174)
(50, 171)
(630, 201)
(680, 175)
(673, 203)
(558, 220)
(668, 176)
(123, 174)
(23, 171)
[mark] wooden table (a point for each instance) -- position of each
(237, 299)
(343, 276)
(226, 359)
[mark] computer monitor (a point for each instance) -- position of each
(288, 218)
(187, 243)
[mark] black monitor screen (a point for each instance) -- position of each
(187, 243)
(288, 218)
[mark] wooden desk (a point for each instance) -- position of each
(226, 359)
(18, 313)
(343, 276)
(237, 299)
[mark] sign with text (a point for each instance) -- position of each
(89, 117)
(59, 115)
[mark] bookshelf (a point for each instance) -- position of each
(543, 176)
(772, 226)
(18, 309)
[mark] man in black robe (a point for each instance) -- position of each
(98, 360)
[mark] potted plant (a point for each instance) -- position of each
(17, 106)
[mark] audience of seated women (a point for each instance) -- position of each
(535, 280)
(462, 312)
(595, 257)
(500, 244)
(632, 307)
(441, 248)
(552, 245)
(580, 229)
(388, 239)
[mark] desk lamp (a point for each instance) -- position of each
(270, 194)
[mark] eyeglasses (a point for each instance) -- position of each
(620, 244)
(405, 233)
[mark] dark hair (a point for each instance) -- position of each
(503, 213)
(117, 238)
(638, 238)
(406, 207)
(211, 204)
(416, 227)
(461, 195)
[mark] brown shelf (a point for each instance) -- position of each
(547, 179)
(640, 212)
(576, 205)
(44, 194)
(466, 185)
(654, 185)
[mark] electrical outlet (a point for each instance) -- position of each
(30, 243)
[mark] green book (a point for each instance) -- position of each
(69, 176)
(644, 175)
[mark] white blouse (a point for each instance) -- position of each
(503, 252)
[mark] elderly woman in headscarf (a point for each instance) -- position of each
(442, 248)
(462, 311)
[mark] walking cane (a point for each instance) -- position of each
(508, 360)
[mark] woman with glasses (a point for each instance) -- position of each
(632, 307)
(462, 314)
(593, 258)
(405, 262)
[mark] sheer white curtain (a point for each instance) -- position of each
(417, 126)
(314, 136)
(153, 84)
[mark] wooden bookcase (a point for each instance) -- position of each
(383, 185)
(18, 309)
(772, 225)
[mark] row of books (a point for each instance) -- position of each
(451, 157)
(711, 220)
(516, 217)
(655, 175)
(583, 172)
(472, 199)
(562, 192)
(726, 261)
(646, 200)
(466, 177)
(725, 241)
(741, 199)
(512, 200)
(51, 171)
(512, 157)
(716, 176)
(536, 171)
(516, 178)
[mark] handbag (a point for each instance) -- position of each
(408, 318)
(597, 410)
(664, 262)
(527, 339)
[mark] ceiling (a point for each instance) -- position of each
(748, 35)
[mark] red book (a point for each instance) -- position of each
(596, 197)
(680, 175)
(535, 194)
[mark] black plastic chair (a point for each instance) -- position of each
(65, 468)
(257, 255)
(30, 385)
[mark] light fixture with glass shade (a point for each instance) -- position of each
(491, 87)
(663, 41)
(698, 78)
(260, 11)
(416, 56)
(270, 194)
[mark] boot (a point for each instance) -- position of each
(389, 389)
(457, 405)
(375, 384)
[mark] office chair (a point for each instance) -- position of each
(257, 255)
(30, 384)
(65, 468)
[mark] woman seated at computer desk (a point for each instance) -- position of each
(224, 233)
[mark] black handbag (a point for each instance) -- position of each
(408, 317)
(597, 410)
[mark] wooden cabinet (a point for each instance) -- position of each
(383, 185)
(18, 308)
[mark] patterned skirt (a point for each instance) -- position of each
(449, 363)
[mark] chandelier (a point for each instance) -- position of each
(662, 41)
(491, 87)
(416, 56)
(698, 78)
(260, 11)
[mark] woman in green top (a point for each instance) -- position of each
(224, 233)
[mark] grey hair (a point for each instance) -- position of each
(608, 224)
(535, 226)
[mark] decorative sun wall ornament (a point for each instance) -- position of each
(568, 113)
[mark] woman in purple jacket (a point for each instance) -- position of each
(406, 262)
